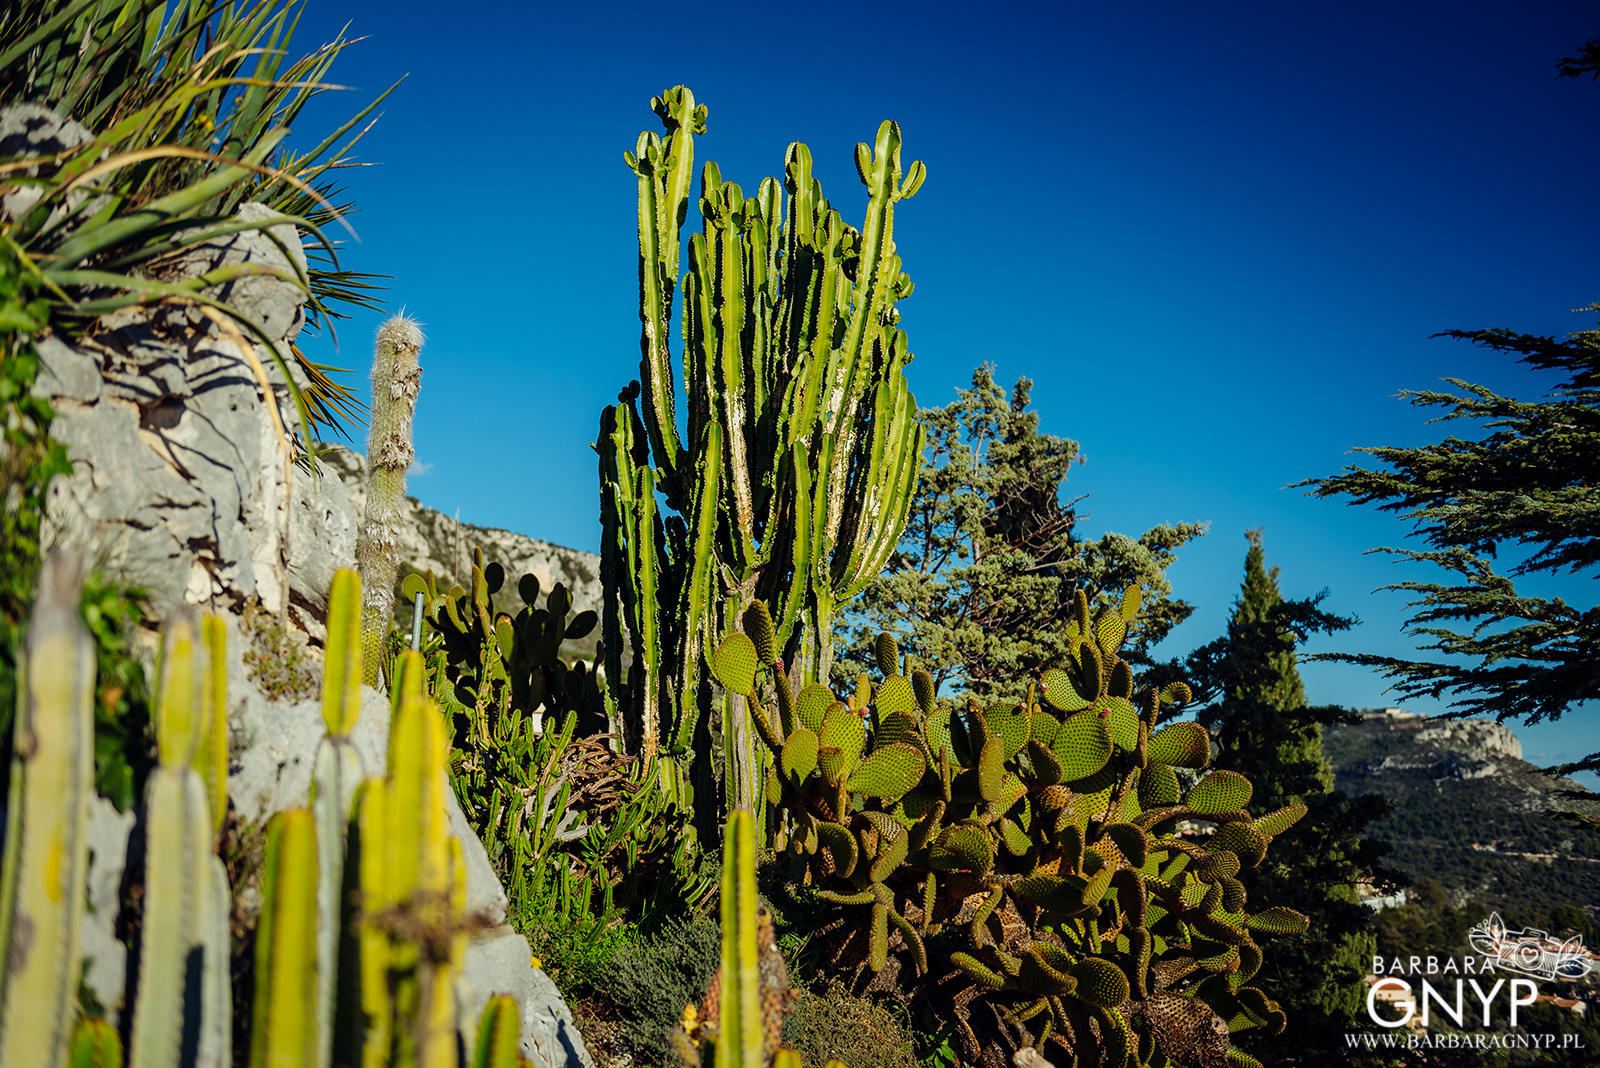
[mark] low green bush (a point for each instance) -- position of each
(650, 983)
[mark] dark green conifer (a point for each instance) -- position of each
(1255, 707)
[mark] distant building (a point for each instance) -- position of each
(1369, 896)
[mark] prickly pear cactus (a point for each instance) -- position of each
(1060, 873)
(495, 663)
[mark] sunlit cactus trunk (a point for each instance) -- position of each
(787, 474)
(47, 816)
(338, 774)
(396, 379)
(183, 939)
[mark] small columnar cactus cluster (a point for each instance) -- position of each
(1049, 851)
(362, 923)
(521, 716)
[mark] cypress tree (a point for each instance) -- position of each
(1255, 707)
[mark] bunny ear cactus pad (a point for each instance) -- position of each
(889, 772)
(1010, 723)
(1183, 745)
(895, 695)
(1122, 720)
(758, 625)
(1082, 745)
(1100, 982)
(1034, 860)
(735, 664)
(887, 651)
(1275, 823)
(813, 702)
(1220, 791)
(1059, 691)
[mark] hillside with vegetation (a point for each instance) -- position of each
(1469, 811)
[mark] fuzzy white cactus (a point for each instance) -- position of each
(396, 379)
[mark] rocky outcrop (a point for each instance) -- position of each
(180, 486)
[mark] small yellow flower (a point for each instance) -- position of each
(536, 962)
(691, 1019)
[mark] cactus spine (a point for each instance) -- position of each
(180, 929)
(801, 451)
(396, 379)
(46, 856)
(338, 774)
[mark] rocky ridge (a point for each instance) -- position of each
(434, 541)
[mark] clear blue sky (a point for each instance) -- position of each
(1216, 236)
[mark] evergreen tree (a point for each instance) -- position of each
(1530, 485)
(1254, 705)
(985, 573)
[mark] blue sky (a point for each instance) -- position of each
(1216, 236)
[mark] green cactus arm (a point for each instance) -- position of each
(740, 1033)
(696, 632)
(176, 903)
(342, 664)
(645, 573)
(216, 981)
(46, 851)
(338, 773)
(211, 755)
(416, 786)
(370, 1021)
(893, 467)
(664, 170)
(181, 702)
(284, 1027)
(731, 392)
(499, 1032)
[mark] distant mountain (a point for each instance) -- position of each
(1468, 810)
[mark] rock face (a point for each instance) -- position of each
(180, 486)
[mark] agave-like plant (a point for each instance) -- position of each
(189, 113)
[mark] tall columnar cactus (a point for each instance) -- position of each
(1053, 844)
(46, 856)
(798, 452)
(396, 379)
(338, 774)
(179, 942)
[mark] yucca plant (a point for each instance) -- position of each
(189, 114)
